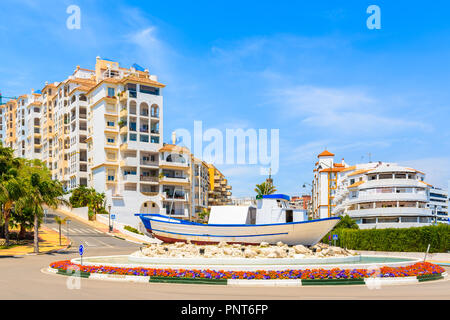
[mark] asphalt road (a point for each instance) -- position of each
(23, 278)
(82, 233)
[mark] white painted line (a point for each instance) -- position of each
(265, 282)
(375, 282)
(89, 245)
(104, 243)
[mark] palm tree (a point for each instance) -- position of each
(265, 188)
(10, 186)
(10, 191)
(40, 190)
(60, 222)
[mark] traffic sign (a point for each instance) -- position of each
(81, 249)
(113, 217)
(335, 236)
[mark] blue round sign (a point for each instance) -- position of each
(81, 249)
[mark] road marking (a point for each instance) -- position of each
(104, 243)
(89, 245)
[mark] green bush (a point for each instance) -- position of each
(393, 239)
(129, 228)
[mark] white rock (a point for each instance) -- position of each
(264, 244)
(248, 253)
(222, 244)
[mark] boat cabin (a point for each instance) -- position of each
(270, 209)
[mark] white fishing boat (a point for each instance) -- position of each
(271, 221)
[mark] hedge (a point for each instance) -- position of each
(414, 239)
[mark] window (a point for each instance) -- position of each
(110, 123)
(143, 138)
(111, 140)
(110, 92)
(133, 137)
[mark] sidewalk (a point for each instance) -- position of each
(48, 242)
(105, 228)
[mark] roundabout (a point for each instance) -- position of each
(194, 264)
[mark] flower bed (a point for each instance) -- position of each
(419, 269)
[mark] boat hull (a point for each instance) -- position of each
(175, 230)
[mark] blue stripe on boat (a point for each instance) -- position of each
(149, 215)
(211, 235)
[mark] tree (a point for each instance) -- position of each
(10, 187)
(40, 190)
(95, 201)
(346, 223)
(60, 222)
(265, 188)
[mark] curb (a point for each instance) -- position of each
(41, 253)
(370, 282)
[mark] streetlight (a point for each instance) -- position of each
(68, 221)
(109, 218)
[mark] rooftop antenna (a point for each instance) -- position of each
(370, 157)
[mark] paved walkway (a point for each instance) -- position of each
(104, 228)
(48, 242)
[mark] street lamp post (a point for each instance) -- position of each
(109, 218)
(68, 221)
(308, 208)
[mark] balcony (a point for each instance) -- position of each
(123, 97)
(393, 211)
(123, 112)
(175, 180)
(172, 164)
(175, 196)
(149, 179)
(130, 178)
(365, 197)
(149, 163)
(129, 162)
(123, 130)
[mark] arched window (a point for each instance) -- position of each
(143, 109)
(155, 111)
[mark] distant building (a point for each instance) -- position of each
(300, 202)
(219, 191)
(439, 205)
(375, 194)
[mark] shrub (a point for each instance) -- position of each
(129, 228)
(414, 239)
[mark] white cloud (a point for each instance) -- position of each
(436, 169)
(347, 110)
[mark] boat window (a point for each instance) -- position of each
(289, 216)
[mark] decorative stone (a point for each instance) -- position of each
(222, 244)
(264, 244)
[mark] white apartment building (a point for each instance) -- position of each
(324, 184)
(375, 195)
(438, 203)
(103, 128)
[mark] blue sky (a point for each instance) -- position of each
(312, 70)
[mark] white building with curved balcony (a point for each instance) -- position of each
(383, 195)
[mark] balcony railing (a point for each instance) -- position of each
(149, 179)
(149, 163)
